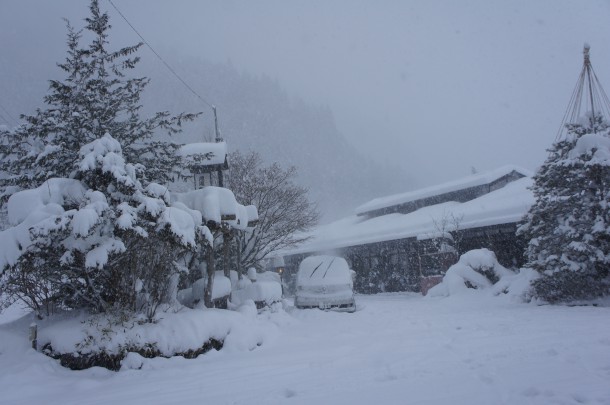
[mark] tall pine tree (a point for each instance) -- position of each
(568, 227)
(96, 97)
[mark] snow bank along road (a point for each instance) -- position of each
(397, 349)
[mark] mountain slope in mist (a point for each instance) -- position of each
(257, 114)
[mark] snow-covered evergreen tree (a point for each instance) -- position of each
(96, 97)
(100, 241)
(568, 227)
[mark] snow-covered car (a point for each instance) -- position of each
(325, 282)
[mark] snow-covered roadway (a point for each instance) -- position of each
(396, 349)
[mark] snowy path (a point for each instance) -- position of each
(398, 349)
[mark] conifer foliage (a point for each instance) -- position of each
(103, 242)
(96, 97)
(568, 227)
(89, 227)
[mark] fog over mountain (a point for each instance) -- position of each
(341, 88)
(256, 113)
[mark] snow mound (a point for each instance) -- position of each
(479, 270)
(221, 288)
(264, 292)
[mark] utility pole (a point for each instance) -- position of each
(218, 139)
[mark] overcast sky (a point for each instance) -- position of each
(434, 86)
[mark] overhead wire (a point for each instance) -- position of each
(7, 114)
(167, 65)
(4, 118)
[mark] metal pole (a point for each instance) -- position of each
(217, 132)
(588, 70)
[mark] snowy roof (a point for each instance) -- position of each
(217, 151)
(451, 186)
(505, 205)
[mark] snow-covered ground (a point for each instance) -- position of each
(396, 349)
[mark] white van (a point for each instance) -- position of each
(325, 282)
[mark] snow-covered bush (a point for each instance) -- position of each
(102, 242)
(568, 227)
(479, 269)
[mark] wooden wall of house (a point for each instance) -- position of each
(384, 266)
(501, 239)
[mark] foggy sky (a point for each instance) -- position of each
(436, 87)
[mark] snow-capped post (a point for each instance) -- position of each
(34, 335)
(252, 274)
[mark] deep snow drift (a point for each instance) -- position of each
(472, 348)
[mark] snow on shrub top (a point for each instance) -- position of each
(59, 192)
(85, 218)
(61, 203)
(105, 153)
(598, 146)
(171, 333)
(484, 259)
(34, 208)
(158, 191)
(181, 224)
(475, 267)
(470, 268)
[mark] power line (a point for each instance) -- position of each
(4, 119)
(8, 114)
(160, 58)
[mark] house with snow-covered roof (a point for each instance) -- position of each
(395, 241)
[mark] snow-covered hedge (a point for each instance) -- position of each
(98, 340)
(479, 270)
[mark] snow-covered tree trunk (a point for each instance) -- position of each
(211, 267)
